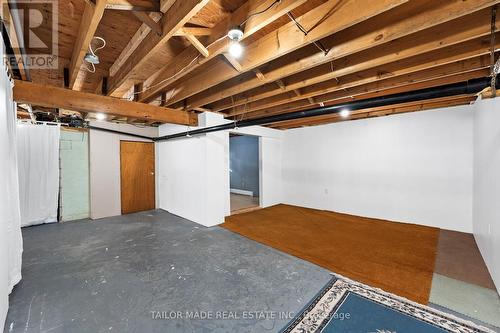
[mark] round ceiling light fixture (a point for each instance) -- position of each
(235, 48)
(92, 58)
(235, 34)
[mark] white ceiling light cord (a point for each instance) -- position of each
(100, 47)
(197, 57)
(93, 52)
(132, 94)
(90, 70)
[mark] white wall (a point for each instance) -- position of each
(271, 177)
(193, 173)
(105, 190)
(181, 176)
(487, 183)
(414, 167)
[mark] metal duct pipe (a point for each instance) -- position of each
(120, 132)
(462, 88)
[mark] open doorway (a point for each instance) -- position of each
(244, 172)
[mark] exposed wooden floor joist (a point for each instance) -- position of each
(380, 111)
(418, 15)
(471, 27)
(173, 19)
(188, 60)
(322, 21)
(176, 51)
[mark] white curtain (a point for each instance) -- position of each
(38, 163)
(11, 243)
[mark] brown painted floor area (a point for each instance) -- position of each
(396, 257)
(459, 258)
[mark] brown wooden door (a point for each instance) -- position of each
(137, 160)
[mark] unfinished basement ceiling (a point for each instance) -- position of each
(353, 50)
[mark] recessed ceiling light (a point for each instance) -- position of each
(345, 113)
(100, 116)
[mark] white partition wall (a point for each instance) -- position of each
(414, 167)
(487, 183)
(193, 173)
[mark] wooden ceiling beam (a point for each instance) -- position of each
(368, 91)
(166, 4)
(180, 12)
(187, 60)
(149, 21)
(461, 56)
(259, 74)
(388, 27)
(195, 31)
(321, 22)
(369, 113)
(419, 15)
(135, 5)
(281, 85)
(234, 62)
(133, 44)
(197, 44)
(54, 97)
(138, 37)
(467, 28)
(92, 15)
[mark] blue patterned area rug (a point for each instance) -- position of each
(347, 306)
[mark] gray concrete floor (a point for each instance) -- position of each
(113, 274)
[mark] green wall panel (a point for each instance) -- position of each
(74, 154)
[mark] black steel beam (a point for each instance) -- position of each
(119, 132)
